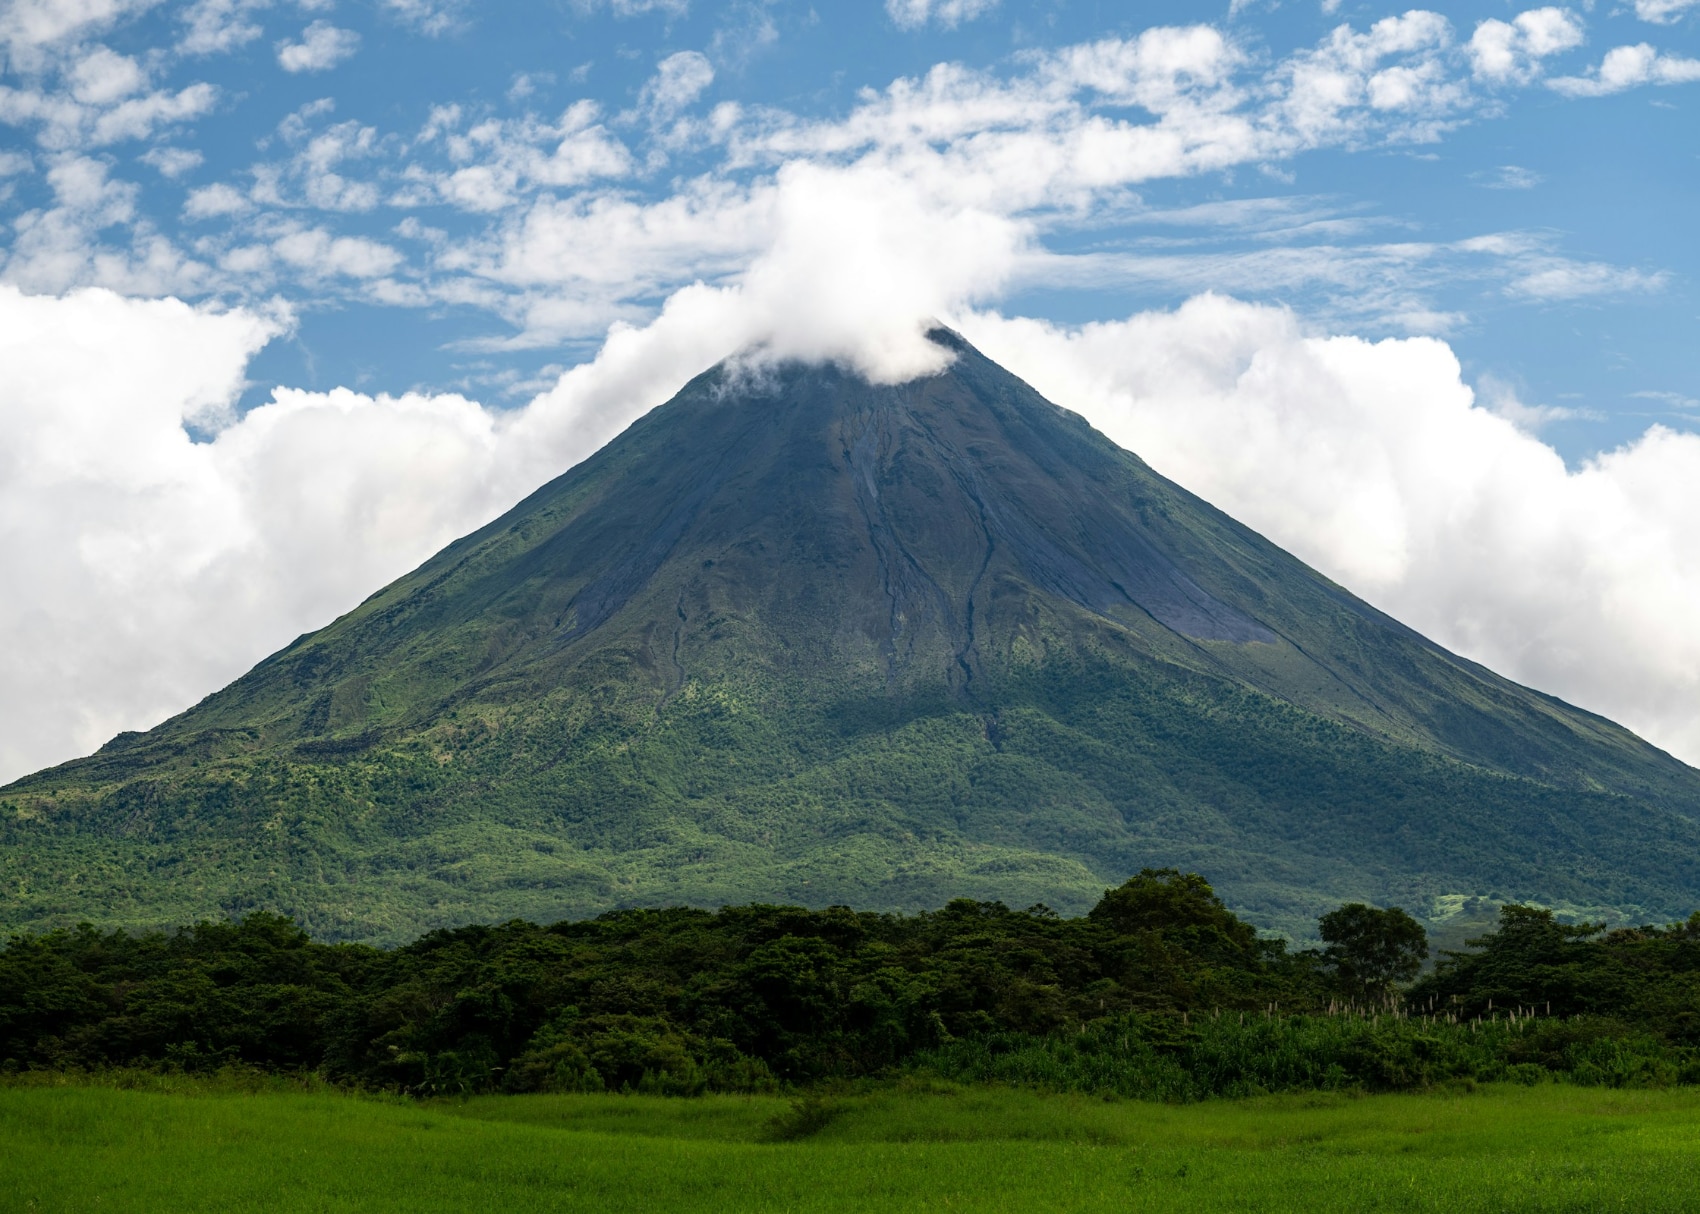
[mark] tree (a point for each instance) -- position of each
(1370, 949)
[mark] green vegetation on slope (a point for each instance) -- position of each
(1505, 1149)
(1158, 993)
(806, 639)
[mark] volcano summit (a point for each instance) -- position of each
(797, 637)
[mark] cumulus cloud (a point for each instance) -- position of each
(322, 47)
(1627, 67)
(494, 163)
(212, 27)
(63, 121)
(28, 27)
(159, 568)
(213, 200)
(102, 76)
(173, 162)
(1512, 51)
(913, 14)
(1377, 463)
(316, 252)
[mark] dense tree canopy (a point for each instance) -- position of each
(748, 997)
(1371, 949)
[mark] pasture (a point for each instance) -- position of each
(159, 1143)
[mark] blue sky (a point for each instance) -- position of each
(1544, 232)
(292, 292)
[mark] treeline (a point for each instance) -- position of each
(1159, 991)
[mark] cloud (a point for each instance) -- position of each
(213, 27)
(1376, 463)
(679, 80)
(1626, 67)
(432, 17)
(63, 122)
(1563, 279)
(634, 8)
(59, 246)
(576, 237)
(497, 162)
(107, 514)
(315, 252)
(1662, 12)
(159, 568)
(27, 27)
(213, 200)
(173, 162)
(1509, 177)
(913, 14)
(322, 46)
(102, 76)
(1504, 52)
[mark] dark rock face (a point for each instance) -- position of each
(797, 637)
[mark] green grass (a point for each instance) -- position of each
(195, 1147)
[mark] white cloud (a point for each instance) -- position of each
(679, 80)
(634, 8)
(913, 14)
(159, 568)
(319, 174)
(1558, 278)
(102, 76)
(316, 253)
(1504, 52)
(1376, 463)
(213, 27)
(497, 162)
(322, 46)
(173, 162)
(1626, 67)
(60, 246)
(1510, 177)
(431, 17)
(63, 122)
(139, 117)
(213, 200)
(1662, 12)
(29, 26)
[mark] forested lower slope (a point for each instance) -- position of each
(1158, 992)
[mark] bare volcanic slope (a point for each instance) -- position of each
(796, 637)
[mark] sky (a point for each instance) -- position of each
(293, 292)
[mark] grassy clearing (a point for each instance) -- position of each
(189, 1146)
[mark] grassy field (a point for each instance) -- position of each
(187, 1146)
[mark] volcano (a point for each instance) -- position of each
(797, 637)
